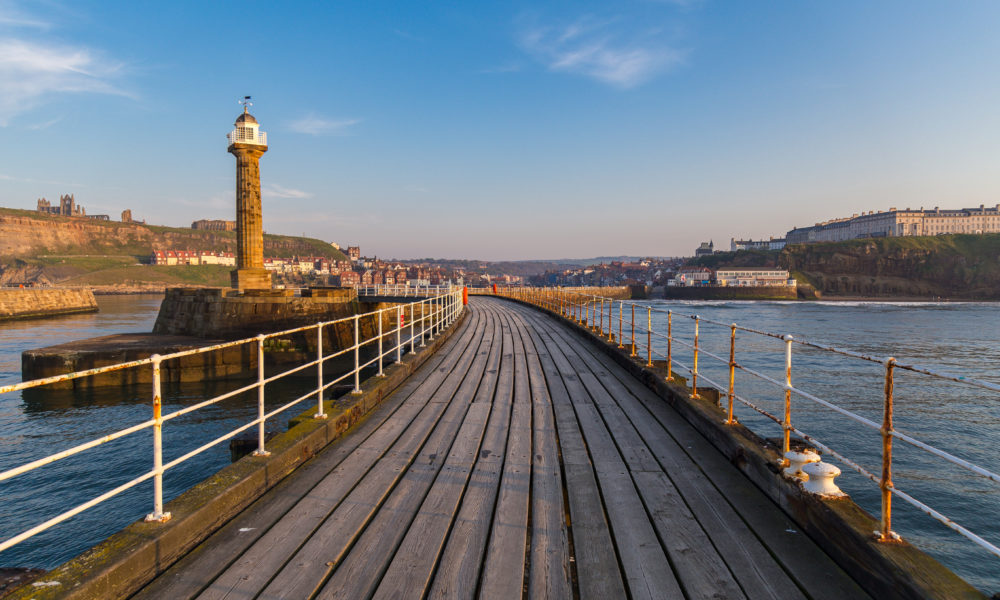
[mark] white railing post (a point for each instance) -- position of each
(319, 373)
(413, 324)
(423, 323)
(434, 316)
(157, 514)
(260, 451)
(399, 333)
(378, 315)
(357, 355)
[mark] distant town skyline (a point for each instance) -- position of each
(506, 131)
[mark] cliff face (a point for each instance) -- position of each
(43, 249)
(24, 234)
(949, 266)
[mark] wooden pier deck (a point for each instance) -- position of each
(518, 462)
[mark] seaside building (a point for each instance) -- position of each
(214, 225)
(753, 277)
(898, 223)
(768, 244)
(247, 143)
(705, 249)
(354, 253)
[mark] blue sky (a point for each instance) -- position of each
(506, 130)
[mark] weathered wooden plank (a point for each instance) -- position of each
(699, 567)
(458, 570)
(360, 572)
(388, 450)
(752, 565)
(648, 572)
(549, 573)
(598, 575)
(309, 568)
(503, 570)
(445, 461)
(726, 514)
(411, 568)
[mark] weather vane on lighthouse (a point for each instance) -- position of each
(246, 103)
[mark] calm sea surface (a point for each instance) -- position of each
(963, 338)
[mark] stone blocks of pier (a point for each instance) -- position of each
(30, 303)
(229, 314)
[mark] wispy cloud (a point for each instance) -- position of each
(406, 35)
(507, 68)
(600, 49)
(43, 125)
(313, 124)
(12, 16)
(274, 190)
(32, 71)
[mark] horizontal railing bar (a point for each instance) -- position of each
(946, 521)
(17, 539)
(74, 450)
(210, 401)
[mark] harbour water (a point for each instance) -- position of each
(963, 338)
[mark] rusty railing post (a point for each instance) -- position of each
(670, 345)
(694, 369)
(885, 533)
(787, 424)
(633, 329)
(649, 336)
(732, 372)
(621, 322)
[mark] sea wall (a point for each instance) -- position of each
(228, 314)
(730, 293)
(35, 303)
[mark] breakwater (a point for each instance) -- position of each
(769, 292)
(45, 302)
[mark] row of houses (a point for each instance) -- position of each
(192, 257)
(732, 277)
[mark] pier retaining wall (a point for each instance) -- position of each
(33, 303)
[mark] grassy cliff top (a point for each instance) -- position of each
(88, 237)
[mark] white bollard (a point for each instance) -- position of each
(796, 460)
(820, 480)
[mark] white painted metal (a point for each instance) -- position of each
(156, 423)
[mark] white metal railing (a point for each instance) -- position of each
(240, 137)
(406, 291)
(597, 312)
(424, 318)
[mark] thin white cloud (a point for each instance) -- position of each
(273, 190)
(600, 50)
(43, 125)
(313, 124)
(12, 16)
(34, 70)
(508, 68)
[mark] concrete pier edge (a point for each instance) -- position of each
(844, 530)
(129, 559)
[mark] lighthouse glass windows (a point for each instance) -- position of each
(247, 134)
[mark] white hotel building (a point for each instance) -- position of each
(897, 223)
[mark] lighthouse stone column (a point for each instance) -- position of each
(248, 145)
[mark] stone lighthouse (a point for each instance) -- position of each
(247, 143)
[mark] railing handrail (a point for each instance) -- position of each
(436, 312)
(585, 307)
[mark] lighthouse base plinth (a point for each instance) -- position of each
(250, 279)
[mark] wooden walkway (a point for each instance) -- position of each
(518, 462)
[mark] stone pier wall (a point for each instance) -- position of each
(34, 303)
